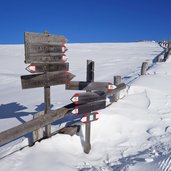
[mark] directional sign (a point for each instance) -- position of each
(80, 98)
(44, 48)
(81, 85)
(89, 107)
(33, 68)
(90, 117)
(46, 79)
(45, 58)
(43, 38)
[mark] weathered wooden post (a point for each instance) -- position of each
(47, 109)
(37, 134)
(144, 68)
(166, 55)
(159, 59)
(90, 78)
(116, 81)
(47, 104)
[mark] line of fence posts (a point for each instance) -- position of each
(166, 52)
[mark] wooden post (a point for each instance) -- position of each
(159, 59)
(144, 68)
(37, 134)
(166, 55)
(116, 81)
(47, 109)
(90, 78)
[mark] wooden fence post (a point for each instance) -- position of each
(159, 59)
(116, 81)
(166, 55)
(144, 68)
(47, 109)
(37, 134)
(90, 78)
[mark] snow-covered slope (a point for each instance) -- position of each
(130, 133)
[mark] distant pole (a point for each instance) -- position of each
(90, 78)
(117, 80)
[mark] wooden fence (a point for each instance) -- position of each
(35, 125)
(162, 57)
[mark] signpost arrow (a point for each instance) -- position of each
(89, 107)
(46, 58)
(83, 85)
(80, 98)
(33, 68)
(35, 48)
(90, 117)
(46, 79)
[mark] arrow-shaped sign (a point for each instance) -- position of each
(33, 68)
(89, 107)
(46, 79)
(90, 117)
(82, 85)
(35, 48)
(80, 98)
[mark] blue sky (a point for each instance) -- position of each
(86, 20)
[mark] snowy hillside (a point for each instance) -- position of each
(132, 134)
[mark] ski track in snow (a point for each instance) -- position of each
(136, 130)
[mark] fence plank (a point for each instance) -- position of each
(32, 125)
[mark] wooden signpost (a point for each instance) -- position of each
(46, 55)
(90, 78)
(94, 99)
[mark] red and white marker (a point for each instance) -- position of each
(31, 68)
(75, 98)
(64, 48)
(75, 110)
(110, 87)
(92, 117)
(64, 58)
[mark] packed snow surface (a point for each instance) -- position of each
(133, 134)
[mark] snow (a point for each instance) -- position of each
(133, 134)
